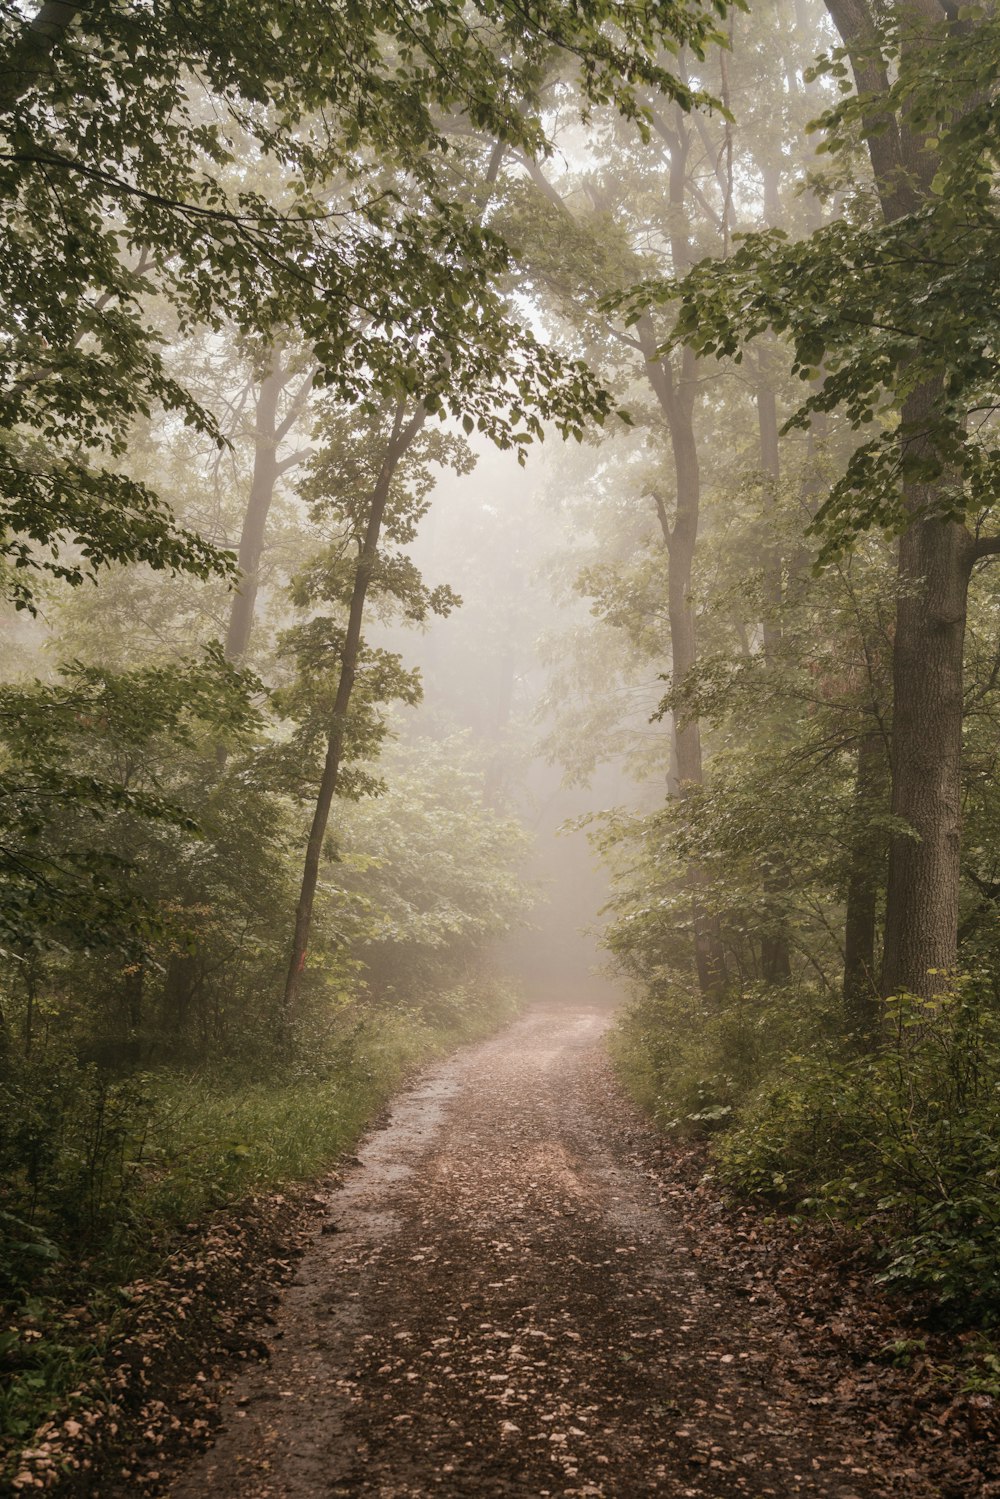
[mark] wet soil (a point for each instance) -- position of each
(504, 1301)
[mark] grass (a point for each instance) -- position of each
(218, 1142)
(197, 1144)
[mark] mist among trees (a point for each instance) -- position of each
(498, 509)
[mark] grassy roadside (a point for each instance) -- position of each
(210, 1196)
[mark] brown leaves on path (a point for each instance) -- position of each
(529, 1295)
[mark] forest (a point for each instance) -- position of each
(501, 632)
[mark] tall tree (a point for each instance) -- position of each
(369, 517)
(936, 552)
(898, 315)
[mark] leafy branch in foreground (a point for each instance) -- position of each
(128, 140)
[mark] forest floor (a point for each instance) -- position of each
(518, 1290)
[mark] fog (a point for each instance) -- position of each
(497, 669)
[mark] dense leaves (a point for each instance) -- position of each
(222, 163)
(877, 309)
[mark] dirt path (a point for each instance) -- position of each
(507, 1307)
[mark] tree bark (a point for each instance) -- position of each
(935, 563)
(921, 924)
(860, 991)
(33, 47)
(402, 435)
(265, 477)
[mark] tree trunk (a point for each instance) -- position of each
(265, 477)
(270, 431)
(399, 441)
(33, 47)
(682, 539)
(921, 924)
(864, 881)
(935, 564)
(770, 466)
(775, 949)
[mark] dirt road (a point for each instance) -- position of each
(507, 1307)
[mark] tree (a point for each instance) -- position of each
(656, 205)
(896, 313)
(338, 648)
(122, 127)
(82, 753)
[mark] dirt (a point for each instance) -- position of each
(510, 1297)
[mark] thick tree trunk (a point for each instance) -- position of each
(29, 56)
(935, 563)
(400, 439)
(921, 930)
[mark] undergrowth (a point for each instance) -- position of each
(100, 1173)
(901, 1140)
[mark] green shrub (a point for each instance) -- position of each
(691, 1065)
(71, 1142)
(905, 1142)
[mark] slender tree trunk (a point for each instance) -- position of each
(770, 465)
(775, 949)
(401, 437)
(861, 1006)
(30, 989)
(262, 485)
(270, 431)
(682, 539)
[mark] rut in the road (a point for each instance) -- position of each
(507, 1309)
